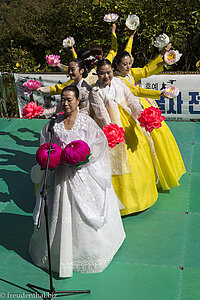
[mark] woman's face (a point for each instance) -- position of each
(125, 65)
(105, 74)
(74, 72)
(69, 102)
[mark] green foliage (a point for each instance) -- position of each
(40, 27)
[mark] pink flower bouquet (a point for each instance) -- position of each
(55, 158)
(110, 17)
(114, 134)
(31, 110)
(171, 92)
(30, 86)
(53, 60)
(76, 153)
(172, 56)
(151, 118)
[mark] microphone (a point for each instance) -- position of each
(52, 123)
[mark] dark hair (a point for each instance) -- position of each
(72, 88)
(96, 49)
(118, 58)
(83, 53)
(81, 65)
(102, 62)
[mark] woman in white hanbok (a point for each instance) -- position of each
(133, 163)
(85, 226)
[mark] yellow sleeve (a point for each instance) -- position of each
(57, 89)
(129, 45)
(74, 55)
(141, 92)
(152, 68)
(113, 51)
(146, 93)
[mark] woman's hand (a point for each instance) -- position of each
(113, 28)
(167, 48)
(132, 34)
(44, 90)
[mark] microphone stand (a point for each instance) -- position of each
(51, 292)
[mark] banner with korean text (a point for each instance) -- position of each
(186, 105)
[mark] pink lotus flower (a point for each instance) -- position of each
(31, 110)
(76, 153)
(53, 60)
(55, 156)
(68, 42)
(171, 92)
(114, 134)
(110, 17)
(151, 118)
(172, 56)
(30, 86)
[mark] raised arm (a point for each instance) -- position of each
(114, 47)
(129, 44)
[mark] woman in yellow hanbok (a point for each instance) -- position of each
(169, 162)
(133, 172)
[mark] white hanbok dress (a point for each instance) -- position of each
(85, 226)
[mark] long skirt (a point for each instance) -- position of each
(169, 160)
(75, 245)
(137, 189)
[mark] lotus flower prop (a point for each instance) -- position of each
(171, 92)
(53, 60)
(172, 56)
(55, 156)
(114, 134)
(68, 42)
(161, 41)
(110, 17)
(76, 153)
(151, 118)
(31, 110)
(30, 86)
(133, 22)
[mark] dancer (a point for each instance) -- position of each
(132, 168)
(90, 58)
(77, 72)
(170, 165)
(85, 226)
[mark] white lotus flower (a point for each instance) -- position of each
(110, 17)
(133, 22)
(171, 92)
(161, 41)
(68, 42)
(172, 56)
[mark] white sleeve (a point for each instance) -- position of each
(99, 166)
(132, 101)
(53, 110)
(99, 107)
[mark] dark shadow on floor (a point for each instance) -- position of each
(15, 233)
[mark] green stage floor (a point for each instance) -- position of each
(160, 258)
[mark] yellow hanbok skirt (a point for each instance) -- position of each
(170, 164)
(136, 190)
